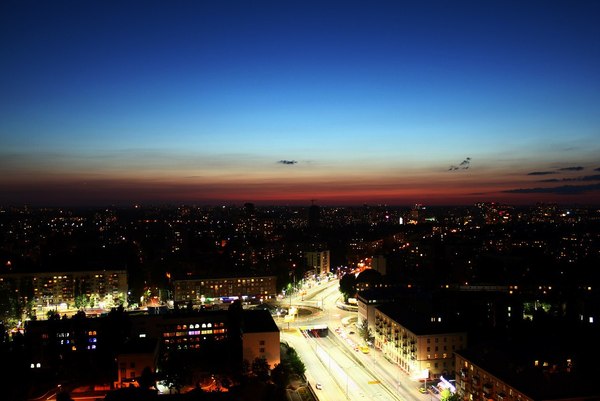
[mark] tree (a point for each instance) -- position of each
(365, 332)
(147, 379)
(93, 300)
(348, 286)
(173, 379)
(81, 301)
(245, 368)
(295, 362)
(260, 367)
(173, 367)
(281, 374)
(446, 395)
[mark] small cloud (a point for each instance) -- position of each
(550, 180)
(287, 162)
(464, 165)
(574, 168)
(541, 173)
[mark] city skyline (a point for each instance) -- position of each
(284, 102)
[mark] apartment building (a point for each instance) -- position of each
(422, 345)
(217, 336)
(501, 373)
(197, 289)
(53, 289)
(319, 262)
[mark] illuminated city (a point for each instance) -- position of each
(299, 201)
(385, 302)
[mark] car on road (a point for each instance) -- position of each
(319, 386)
(351, 332)
(422, 390)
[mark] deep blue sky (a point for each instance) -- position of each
(198, 101)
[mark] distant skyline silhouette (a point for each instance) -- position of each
(281, 102)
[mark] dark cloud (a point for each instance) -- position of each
(597, 169)
(287, 162)
(574, 168)
(464, 165)
(584, 178)
(562, 190)
(591, 178)
(541, 173)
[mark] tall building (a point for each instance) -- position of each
(319, 261)
(314, 216)
(379, 264)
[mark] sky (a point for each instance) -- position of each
(284, 102)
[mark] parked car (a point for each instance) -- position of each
(319, 386)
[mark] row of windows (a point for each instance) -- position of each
(183, 340)
(124, 373)
(445, 348)
(436, 364)
(68, 334)
(232, 281)
(186, 346)
(188, 333)
(460, 338)
(436, 356)
(179, 344)
(123, 365)
(215, 286)
(198, 325)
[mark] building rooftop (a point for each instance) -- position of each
(387, 294)
(538, 379)
(420, 323)
(258, 321)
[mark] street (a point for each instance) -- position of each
(342, 371)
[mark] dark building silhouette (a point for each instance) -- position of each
(314, 216)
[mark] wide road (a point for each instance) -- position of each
(343, 372)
